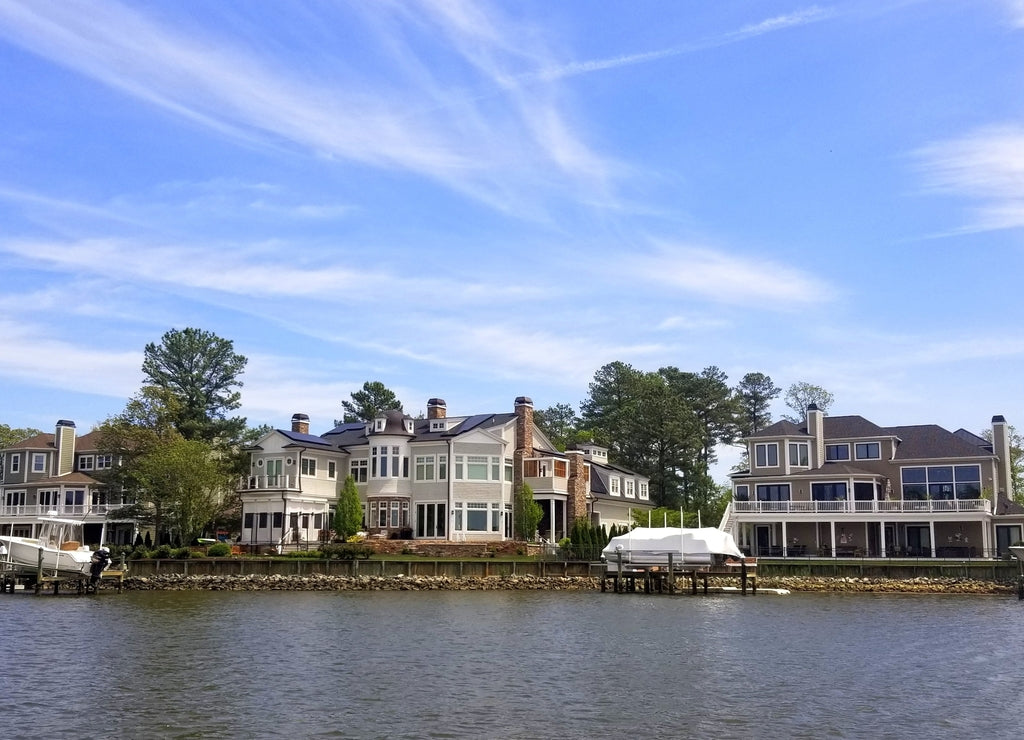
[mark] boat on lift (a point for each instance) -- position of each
(59, 541)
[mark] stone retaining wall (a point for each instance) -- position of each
(320, 582)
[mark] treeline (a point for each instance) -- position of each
(666, 424)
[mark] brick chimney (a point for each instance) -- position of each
(524, 439)
(437, 408)
(300, 424)
(576, 491)
(1001, 449)
(64, 441)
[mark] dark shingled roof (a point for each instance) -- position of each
(782, 428)
(852, 427)
(305, 439)
(932, 441)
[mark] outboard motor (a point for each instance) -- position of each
(99, 562)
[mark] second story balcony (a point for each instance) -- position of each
(840, 507)
(270, 483)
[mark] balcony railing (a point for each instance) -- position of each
(62, 510)
(270, 482)
(929, 506)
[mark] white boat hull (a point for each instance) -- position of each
(23, 554)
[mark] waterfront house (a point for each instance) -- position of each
(442, 477)
(844, 486)
(57, 474)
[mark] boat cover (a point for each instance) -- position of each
(651, 546)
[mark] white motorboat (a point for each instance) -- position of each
(646, 546)
(59, 541)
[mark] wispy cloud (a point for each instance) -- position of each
(800, 18)
(985, 166)
(739, 279)
(497, 150)
(255, 271)
(33, 355)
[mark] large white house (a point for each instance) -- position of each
(443, 477)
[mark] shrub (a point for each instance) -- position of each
(219, 550)
(162, 552)
(181, 553)
(345, 551)
(304, 553)
(139, 553)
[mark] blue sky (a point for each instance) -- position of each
(478, 201)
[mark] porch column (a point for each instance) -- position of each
(987, 548)
(551, 518)
(832, 542)
(881, 539)
(785, 540)
(931, 535)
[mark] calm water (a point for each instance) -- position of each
(511, 665)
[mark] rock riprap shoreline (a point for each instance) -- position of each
(319, 582)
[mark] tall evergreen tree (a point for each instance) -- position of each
(196, 373)
(754, 394)
(348, 514)
(367, 403)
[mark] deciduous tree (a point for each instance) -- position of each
(11, 436)
(801, 395)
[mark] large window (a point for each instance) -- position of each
(766, 455)
(837, 452)
(357, 469)
(868, 450)
(942, 482)
(424, 467)
(799, 454)
(828, 491)
(773, 492)
(476, 467)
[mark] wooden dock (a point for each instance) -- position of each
(630, 577)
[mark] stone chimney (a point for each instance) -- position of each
(816, 428)
(437, 408)
(64, 441)
(300, 424)
(524, 439)
(1001, 449)
(576, 491)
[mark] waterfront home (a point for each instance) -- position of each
(442, 477)
(57, 474)
(843, 486)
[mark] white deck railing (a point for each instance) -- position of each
(65, 510)
(975, 505)
(270, 482)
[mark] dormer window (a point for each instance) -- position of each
(408, 426)
(438, 425)
(378, 425)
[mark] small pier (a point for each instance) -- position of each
(622, 577)
(15, 578)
